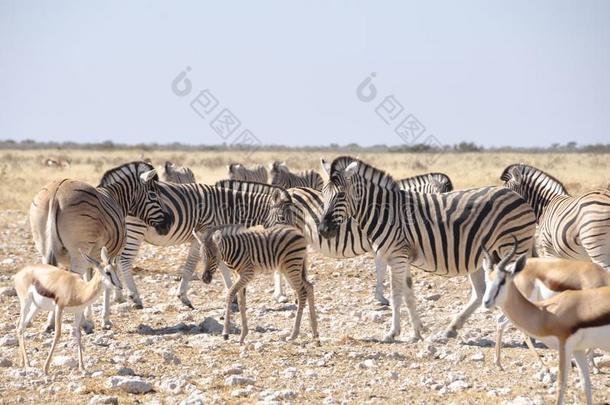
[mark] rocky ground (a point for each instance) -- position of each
(167, 353)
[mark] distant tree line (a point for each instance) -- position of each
(29, 144)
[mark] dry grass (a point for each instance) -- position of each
(22, 173)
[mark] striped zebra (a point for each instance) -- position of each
(170, 172)
(438, 233)
(282, 177)
(350, 240)
(249, 251)
(569, 227)
(69, 216)
(197, 207)
(240, 172)
(427, 183)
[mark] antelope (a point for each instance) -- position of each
(572, 321)
(49, 288)
(543, 278)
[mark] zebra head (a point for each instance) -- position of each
(532, 184)
(500, 275)
(135, 187)
(170, 172)
(209, 252)
(282, 209)
(339, 195)
(150, 207)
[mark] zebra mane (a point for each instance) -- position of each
(507, 174)
(366, 171)
(136, 168)
(441, 180)
(252, 187)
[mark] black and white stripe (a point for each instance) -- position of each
(249, 251)
(350, 241)
(196, 207)
(70, 216)
(438, 233)
(427, 183)
(569, 227)
(238, 171)
(282, 177)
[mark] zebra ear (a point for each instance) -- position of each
(350, 170)
(148, 176)
(217, 236)
(325, 166)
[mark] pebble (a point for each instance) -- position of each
(478, 356)
(458, 385)
(65, 361)
(130, 384)
(523, 400)
(242, 392)
(290, 372)
(103, 400)
(239, 380)
(233, 370)
(169, 357)
(173, 385)
(123, 371)
(5, 362)
(368, 363)
(432, 297)
(9, 341)
(8, 292)
(195, 398)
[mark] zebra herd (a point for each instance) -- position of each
(418, 222)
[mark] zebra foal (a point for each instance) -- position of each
(249, 251)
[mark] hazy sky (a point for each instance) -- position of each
(495, 73)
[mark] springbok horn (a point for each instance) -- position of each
(510, 255)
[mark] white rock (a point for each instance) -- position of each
(393, 375)
(235, 369)
(242, 392)
(103, 400)
(8, 261)
(478, 356)
(195, 398)
(290, 372)
(130, 384)
(65, 361)
(239, 380)
(522, 400)
(458, 385)
(5, 362)
(9, 341)
(368, 363)
(173, 385)
(8, 292)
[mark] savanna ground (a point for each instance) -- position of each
(180, 352)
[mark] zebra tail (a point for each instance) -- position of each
(52, 241)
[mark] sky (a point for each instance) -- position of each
(516, 73)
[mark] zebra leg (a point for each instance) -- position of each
(477, 282)
(380, 270)
(187, 272)
(313, 320)
(409, 297)
(241, 298)
(228, 282)
(242, 280)
(294, 277)
(278, 290)
(133, 241)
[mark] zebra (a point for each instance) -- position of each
(170, 172)
(427, 183)
(282, 177)
(69, 216)
(350, 241)
(197, 207)
(438, 233)
(569, 227)
(248, 251)
(240, 172)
